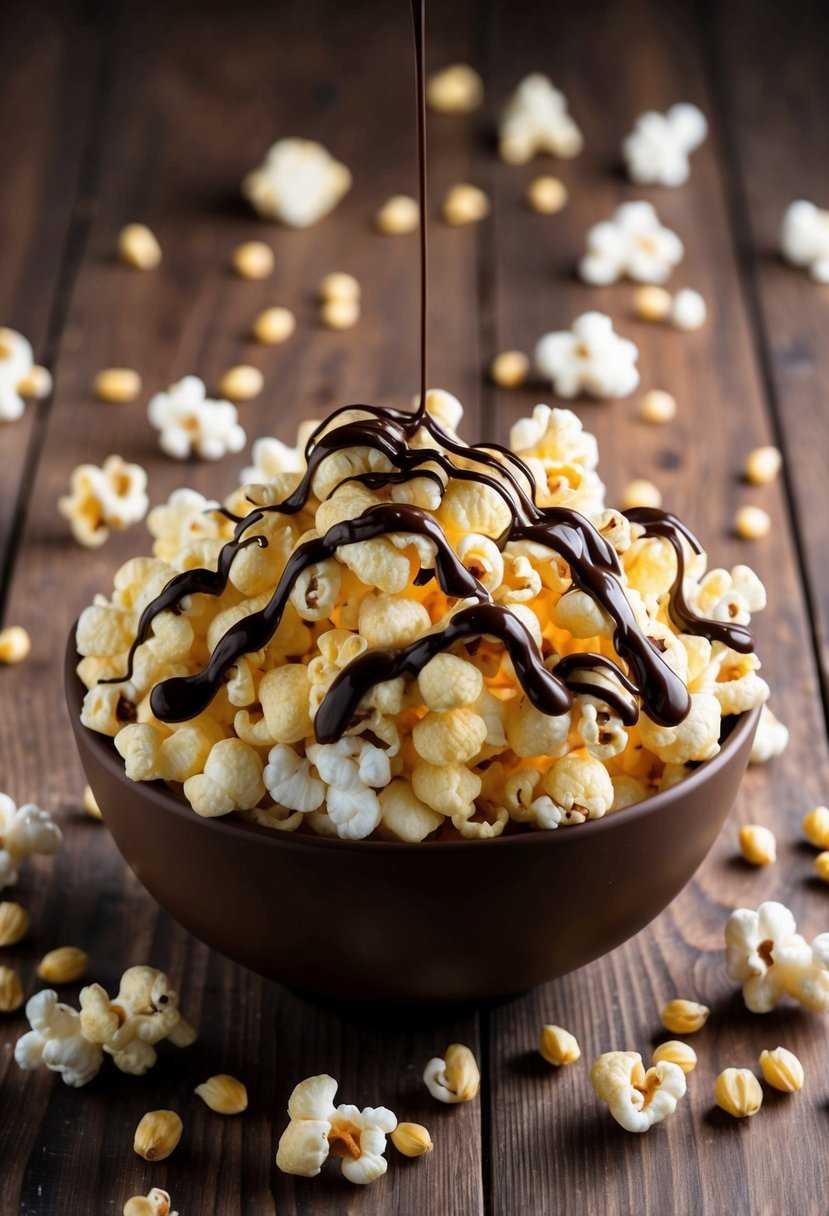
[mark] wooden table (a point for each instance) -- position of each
(154, 113)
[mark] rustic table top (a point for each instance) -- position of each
(154, 113)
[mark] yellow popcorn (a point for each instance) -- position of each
(456, 1078)
(782, 1070)
(232, 779)
(757, 844)
(737, 1091)
(100, 499)
(403, 815)
(449, 789)
(449, 738)
(684, 1017)
(816, 827)
(580, 786)
(635, 1098)
(558, 1046)
(457, 89)
(447, 682)
(676, 1052)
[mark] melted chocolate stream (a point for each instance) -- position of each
(419, 23)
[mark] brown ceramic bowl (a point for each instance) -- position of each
(365, 920)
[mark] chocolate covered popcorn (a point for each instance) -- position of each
(589, 358)
(634, 244)
(536, 120)
(657, 150)
(298, 183)
(390, 633)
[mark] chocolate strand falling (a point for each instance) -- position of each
(419, 23)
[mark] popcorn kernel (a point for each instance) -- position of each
(117, 385)
(339, 286)
(253, 260)
(274, 325)
(758, 845)
(763, 464)
(155, 1203)
(676, 1052)
(11, 990)
(241, 383)
(340, 313)
(90, 804)
(63, 965)
(14, 923)
(658, 407)
(737, 1091)
(157, 1134)
(752, 523)
(782, 1070)
(684, 1017)
(558, 1046)
(641, 493)
(15, 644)
(455, 1078)
(457, 89)
(652, 303)
(822, 866)
(816, 827)
(398, 215)
(139, 247)
(411, 1139)
(223, 1094)
(547, 195)
(510, 369)
(465, 204)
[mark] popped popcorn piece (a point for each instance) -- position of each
(24, 830)
(456, 89)
(816, 827)
(16, 364)
(656, 151)
(232, 780)
(411, 1139)
(452, 737)
(15, 644)
(139, 247)
(658, 407)
(299, 183)
(455, 1078)
(509, 369)
(100, 499)
(241, 383)
(56, 1041)
(676, 1052)
(737, 1091)
(37, 384)
(696, 738)
(465, 204)
(641, 493)
(223, 1094)
(63, 965)
(752, 523)
(632, 243)
(290, 782)
(398, 215)
(547, 195)
(763, 464)
(766, 954)
(117, 385)
(782, 1070)
(157, 1134)
(190, 422)
(404, 816)
(758, 845)
(804, 238)
(253, 260)
(637, 1099)
(340, 312)
(688, 310)
(11, 990)
(317, 1128)
(590, 358)
(339, 286)
(274, 325)
(144, 1012)
(558, 1046)
(580, 787)
(352, 769)
(684, 1017)
(652, 303)
(187, 516)
(447, 682)
(14, 923)
(536, 120)
(155, 1203)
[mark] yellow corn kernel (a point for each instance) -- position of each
(155, 1203)
(457, 89)
(510, 368)
(14, 923)
(90, 804)
(641, 493)
(253, 260)
(63, 965)
(816, 827)
(157, 1134)
(411, 1139)
(558, 1046)
(758, 844)
(763, 464)
(737, 1091)
(658, 407)
(11, 990)
(339, 286)
(398, 215)
(241, 383)
(652, 303)
(340, 313)
(684, 1017)
(117, 385)
(547, 195)
(139, 247)
(274, 325)
(752, 523)
(675, 1052)
(465, 204)
(15, 644)
(782, 1070)
(37, 384)
(822, 866)
(224, 1094)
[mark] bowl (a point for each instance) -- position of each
(388, 921)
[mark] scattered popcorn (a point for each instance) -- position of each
(766, 954)
(56, 1041)
(117, 385)
(510, 369)
(63, 965)
(15, 644)
(656, 151)
(758, 845)
(189, 422)
(782, 1070)
(24, 830)
(637, 1099)
(37, 384)
(155, 1203)
(340, 312)
(11, 990)
(139, 247)
(588, 358)
(16, 366)
(398, 215)
(688, 311)
(90, 804)
(186, 518)
(822, 866)
(274, 325)
(652, 303)
(144, 1012)
(14, 923)
(771, 739)
(737, 1091)
(547, 195)
(411, 1139)
(804, 238)
(104, 499)
(253, 260)
(339, 286)
(558, 1046)
(641, 493)
(299, 183)
(675, 1052)
(762, 465)
(318, 1128)
(816, 827)
(752, 523)
(684, 1017)
(241, 383)
(633, 243)
(457, 89)
(157, 1134)
(223, 1094)
(536, 120)
(658, 407)
(465, 204)
(456, 1078)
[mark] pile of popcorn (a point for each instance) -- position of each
(458, 751)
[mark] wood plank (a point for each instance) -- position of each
(195, 105)
(553, 1147)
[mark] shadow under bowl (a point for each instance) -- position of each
(388, 921)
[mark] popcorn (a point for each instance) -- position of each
(56, 1041)
(253, 260)
(189, 422)
(158, 1134)
(139, 247)
(766, 954)
(804, 238)
(589, 358)
(144, 1012)
(155, 1203)
(398, 216)
(241, 383)
(299, 183)
(536, 120)
(457, 89)
(111, 497)
(771, 740)
(318, 1128)
(688, 311)
(24, 830)
(656, 151)
(352, 769)
(684, 1017)
(633, 243)
(558, 1046)
(758, 844)
(455, 1078)
(782, 1070)
(737, 1091)
(676, 1052)
(187, 516)
(637, 1099)
(16, 364)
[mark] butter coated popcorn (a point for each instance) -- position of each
(633, 243)
(189, 422)
(804, 238)
(656, 151)
(536, 120)
(637, 1099)
(317, 1128)
(589, 358)
(24, 830)
(100, 499)
(299, 182)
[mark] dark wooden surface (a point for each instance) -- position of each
(154, 113)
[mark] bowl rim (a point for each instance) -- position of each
(104, 749)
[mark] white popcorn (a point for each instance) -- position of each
(688, 311)
(185, 517)
(590, 358)
(100, 499)
(637, 1099)
(16, 363)
(144, 1011)
(771, 739)
(290, 782)
(656, 151)
(535, 120)
(352, 768)
(298, 183)
(23, 830)
(766, 954)
(633, 243)
(56, 1042)
(357, 1136)
(188, 421)
(804, 238)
